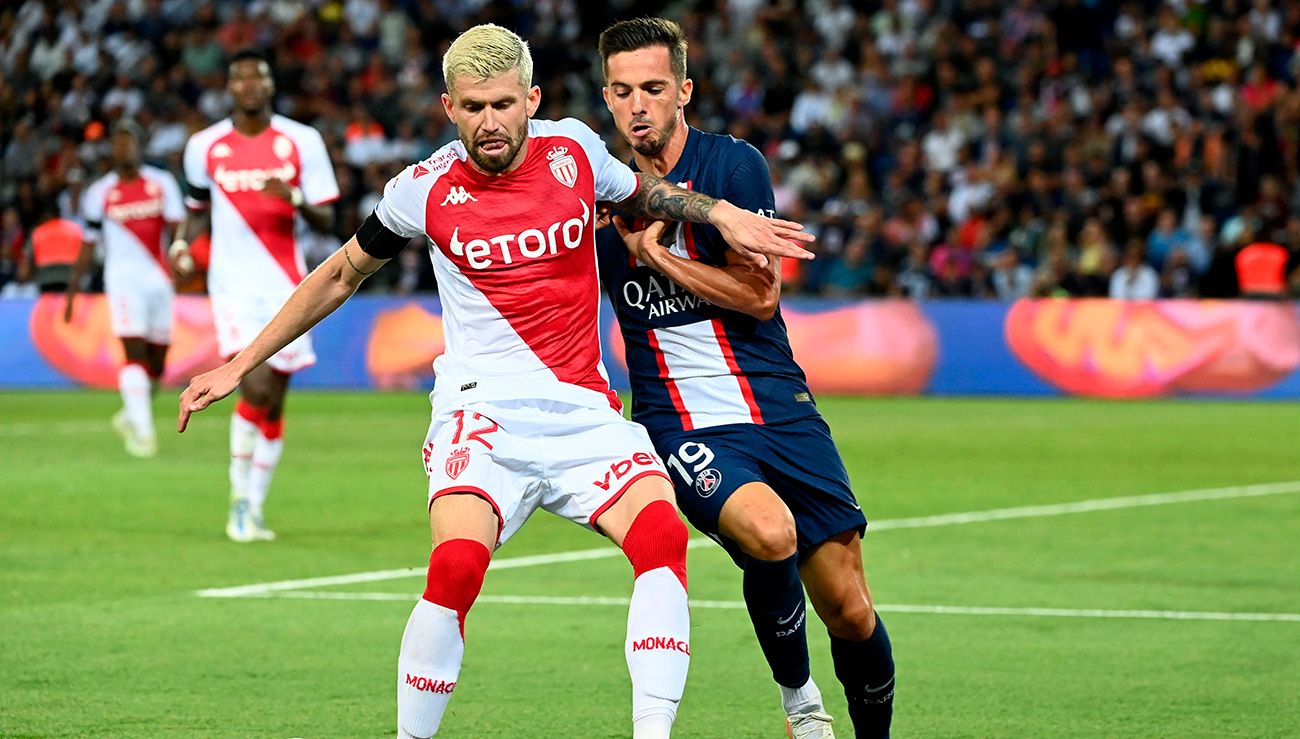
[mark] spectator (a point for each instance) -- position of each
(1135, 279)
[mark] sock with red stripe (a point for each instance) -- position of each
(137, 398)
(267, 448)
(658, 621)
(434, 641)
(245, 425)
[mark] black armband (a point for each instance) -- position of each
(377, 241)
(201, 194)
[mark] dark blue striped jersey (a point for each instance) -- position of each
(692, 364)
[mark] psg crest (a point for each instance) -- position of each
(563, 166)
(707, 482)
(457, 461)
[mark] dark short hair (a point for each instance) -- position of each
(644, 33)
(129, 127)
(244, 55)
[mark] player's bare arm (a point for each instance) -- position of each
(198, 221)
(74, 282)
(320, 294)
(750, 234)
(319, 217)
(740, 286)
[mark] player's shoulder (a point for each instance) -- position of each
(205, 137)
(295, 130)
(101, 184)
(571, 127)
(424, 173)
(721, 147)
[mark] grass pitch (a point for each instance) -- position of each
(101, 633)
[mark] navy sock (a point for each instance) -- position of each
(866, 670)
(774, 597)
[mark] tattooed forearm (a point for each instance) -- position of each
(656, 198)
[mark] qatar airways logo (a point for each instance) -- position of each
(134, 211)
(528, 244)
(658, 296)
(244, 180)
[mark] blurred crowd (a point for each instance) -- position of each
(958, 148)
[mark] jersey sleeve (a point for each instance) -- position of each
(197, 182)
(173, 202)
(615, 181)
(92, 210)
(401, 209)
(750, 184)
(318, 183)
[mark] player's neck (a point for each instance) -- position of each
(251, 124)
(662, 163)
(128, 172)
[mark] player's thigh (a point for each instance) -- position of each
(265, 387)
(760, 523)
(135, 349)
(603, 470)
(487, 467)
(837, 587)
(158, 315)
(708, 468)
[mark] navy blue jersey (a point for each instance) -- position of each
(692, 364)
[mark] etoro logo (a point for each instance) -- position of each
(531, 243)
(244, 180)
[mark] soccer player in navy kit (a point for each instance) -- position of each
(716, 385)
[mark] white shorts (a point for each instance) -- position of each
(143, 314)
(239, 318)
(571, 460)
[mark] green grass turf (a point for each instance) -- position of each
(101, 635)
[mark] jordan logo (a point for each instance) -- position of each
(458, 196)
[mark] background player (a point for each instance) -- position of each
(133, 210)
(716, 385)
(523, 417)
(254, 179)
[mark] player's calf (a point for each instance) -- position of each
(433, 643)
(658, 623)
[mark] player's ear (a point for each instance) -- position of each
(684, 93)
(534, 100)
(447, 106)
(604, 94)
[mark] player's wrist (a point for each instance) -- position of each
(296, 198)
(178, 248)
(721, 213)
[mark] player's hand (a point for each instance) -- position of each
(181, 259)
(755, 238)
(205, 390)
(604, 214)
(640, 242)
(277, 188)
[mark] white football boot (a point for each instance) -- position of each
(809, 725)
(239, 524)
(136, 445)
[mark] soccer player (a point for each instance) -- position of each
(523, 416)
(133, 210)
(254, 179)
(717, 387)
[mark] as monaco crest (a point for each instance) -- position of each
(563, 166)
(457, 461)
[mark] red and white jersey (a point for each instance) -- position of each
(255, 237)
(515, 259)
(129, 217)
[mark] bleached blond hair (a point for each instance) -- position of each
(486, 51)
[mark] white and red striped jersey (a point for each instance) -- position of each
(515, 260)
(255, 237)
(129, 218)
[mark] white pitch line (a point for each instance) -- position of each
(549, 600)
(943, 519)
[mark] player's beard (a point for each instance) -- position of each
(496, 163)
(651, 145)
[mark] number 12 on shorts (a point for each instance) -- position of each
(692, 453)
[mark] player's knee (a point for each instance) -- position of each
(772, 539)
(657, 538)
(852, 618)
(456, 571)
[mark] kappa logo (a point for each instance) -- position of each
(458, 195)
(563, 165)
(457, 461)
(420, 171)
(707, 482)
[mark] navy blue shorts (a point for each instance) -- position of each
(797, 459)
